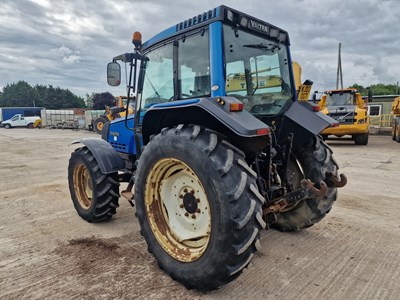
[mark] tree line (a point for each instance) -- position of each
(22, 94)
(377, 89)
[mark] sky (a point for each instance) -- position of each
(69, 43)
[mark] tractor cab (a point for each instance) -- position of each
(220, 53)
(219, 59)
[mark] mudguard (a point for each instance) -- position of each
(213, 113)
(108, 159)
(313, 121)
(303, 122)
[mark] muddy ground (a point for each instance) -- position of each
(48, 252)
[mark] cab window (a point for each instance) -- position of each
(194, 66)
(158, 86)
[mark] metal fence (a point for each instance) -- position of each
(383, 120)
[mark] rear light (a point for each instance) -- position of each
(315, 108)
(262, 131)
(335, 125)
(235, 106)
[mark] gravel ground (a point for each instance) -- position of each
(48, 252)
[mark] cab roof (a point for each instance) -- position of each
(227, 15)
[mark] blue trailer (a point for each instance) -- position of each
(8, 112)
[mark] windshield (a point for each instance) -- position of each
(257, 72)
(339, 99)
(158, 83)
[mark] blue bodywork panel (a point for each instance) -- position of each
(216, 60)
(120, 137)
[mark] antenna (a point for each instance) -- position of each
(339, 68)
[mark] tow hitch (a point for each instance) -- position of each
(334, 181)
(307, 190)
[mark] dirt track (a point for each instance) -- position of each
(48, 252)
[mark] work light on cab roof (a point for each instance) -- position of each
(137, 39)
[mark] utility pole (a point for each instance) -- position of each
(339, 68)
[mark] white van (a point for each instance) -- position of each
(20, 121)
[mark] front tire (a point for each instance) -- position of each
(198, 206)
(7, 126)
(312, 161)
(95, 195)
(361, 139)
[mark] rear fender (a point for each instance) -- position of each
(213, 113)
(304, 123)
(108, 159)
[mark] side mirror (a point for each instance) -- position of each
(113, 74)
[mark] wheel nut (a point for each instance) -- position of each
(180, 196)
(198, 200)
(192, 192)
(181, 206)
(185, 190)
(193, 216)
(186, 214)
(198, 210)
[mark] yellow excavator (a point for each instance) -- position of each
(237, 82)
(347, 107)
(396, 119)
(303, 89)
(111, 113)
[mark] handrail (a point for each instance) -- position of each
(383, 120)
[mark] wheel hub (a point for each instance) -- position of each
(83, 186)
(178, 209)
(190, 203)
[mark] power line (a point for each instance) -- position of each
(365, 64)
(368, 67)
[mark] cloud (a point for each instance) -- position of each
(68, 56)
(57, 40)
(71, 59)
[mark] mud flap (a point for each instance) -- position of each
(108, 159)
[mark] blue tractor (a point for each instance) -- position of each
(217, 150)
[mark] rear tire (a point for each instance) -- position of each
(7, 126)
(397, 130)
(98, 124)
(95, 195)
(312, 161)
(361, 139)
(394, 131)
(397, 138)
(206, 243)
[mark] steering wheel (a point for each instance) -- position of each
(261, 107)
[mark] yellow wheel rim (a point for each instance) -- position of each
(178, 209)
(100, 126)
(83, 186)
